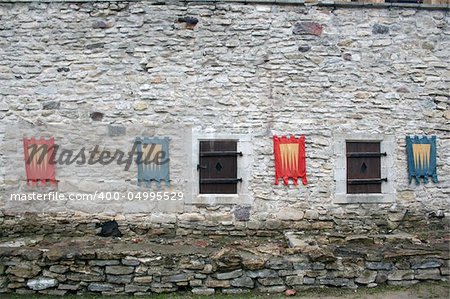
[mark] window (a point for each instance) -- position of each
(220, 171)
(218, 167)
(364, 171)
(364, 167)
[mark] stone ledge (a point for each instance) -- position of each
(279, 2)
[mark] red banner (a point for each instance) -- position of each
(39, 164)
(290, 162)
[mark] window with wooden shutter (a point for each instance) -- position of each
(364, 167)
(218, 167)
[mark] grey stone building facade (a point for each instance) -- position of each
(91, 73)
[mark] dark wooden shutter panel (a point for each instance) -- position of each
(218, 167)
(363, 167)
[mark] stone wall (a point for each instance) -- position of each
(220, 265)
(105, 73)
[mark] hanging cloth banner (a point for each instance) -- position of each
(290, 162)
(153, 160)
(39, 160)
(421, 153)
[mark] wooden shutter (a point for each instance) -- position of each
(218, 167)
(364, 167)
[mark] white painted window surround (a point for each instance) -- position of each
(387, 144)
(244, 166)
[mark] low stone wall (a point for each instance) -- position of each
(236, 221)
(217, 265)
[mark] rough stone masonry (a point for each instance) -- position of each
(103, 73)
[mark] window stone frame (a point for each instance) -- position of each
(387, 144)
(244, 166)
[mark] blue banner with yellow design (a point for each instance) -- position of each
(153, 160)
(421, 158)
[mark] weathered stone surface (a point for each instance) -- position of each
(379, 265)
(177, 278)
(196, 283)
(270, 281)
(401, 275)
(278, 264)
(51, 105)
(191, 217)
(272, 289)
(130, 261)
(254, 263)
(366, 277)
(212, 283)
(132, 288)
(229, 275)
(347, 56)
(102, 24)
(208, 268)
(445, 271)
(104, 262)
(96, 116)
(120, 279)
(243, 282)
(84, 277)
(321, 254)
(432, 274)
(336, 282)
(403, 265)
(290, 214)
(119, 270)
(262, 273)
(68, 287)
(380, 29)
(100, 287)
(140, 106)
(203, 291)
(304, 48)
(157, 287)
(309, 280)
(311, 28)
(192, 264)
(42, 283)
(291, 272)
(24, 270)
(2, 269)
(382, 277)
(447, 114)
(59, 269)
(426, 264)
(143, 279)
(63, 69)
(17, 285)
(294, 280)
(311, 214)
(116, 130)
(322, 225)
(189, 20)
(3, 282)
